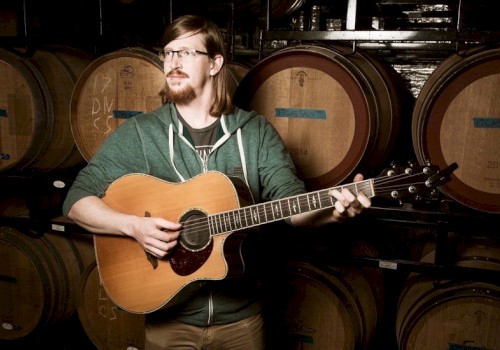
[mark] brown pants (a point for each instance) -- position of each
(247, 334)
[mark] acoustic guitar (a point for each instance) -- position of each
(212, 208)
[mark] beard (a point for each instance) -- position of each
(183, 95)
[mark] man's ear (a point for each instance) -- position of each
(217, 62)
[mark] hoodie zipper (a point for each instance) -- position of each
(205, 165)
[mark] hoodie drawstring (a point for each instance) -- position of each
(171, 150)
(242, 156)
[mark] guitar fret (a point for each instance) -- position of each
(230, 219)
(331, 200)
(219, 224)
(249, 216)
(227, 223)
(255, 216)
(295, 208)
(216, 224)
(289, 208)
(223, 223)
(210, 224)
(280, 204)
(285, 212)
(244, 221)
(213, 220)
(308, 201)
(232, 225)
(275, 209)
(317, 200)
(244, 210)
(311, 202)
(325, 198)
(268, 210)
(236, 220)
(257, 213)
(262, 215)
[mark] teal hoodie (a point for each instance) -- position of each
(157, 144)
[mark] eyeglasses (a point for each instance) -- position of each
(185, 55)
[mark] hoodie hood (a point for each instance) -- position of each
(168, 114)
(229, 125)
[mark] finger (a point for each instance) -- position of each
(359, 177)
(167, 235)
(169, 244)
(364, 201)
(156, 252)
(166, 225)
(339, 217)
(340, 197)
(340, 208)
(348, 197)
(162, 240)
(335, 194)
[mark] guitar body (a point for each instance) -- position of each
(140, 283)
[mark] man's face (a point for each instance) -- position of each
(187, 72)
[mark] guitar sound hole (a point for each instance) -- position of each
(195, 233)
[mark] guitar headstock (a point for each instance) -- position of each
(412, 183)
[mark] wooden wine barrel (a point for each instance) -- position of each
(113, 88)
(237, 71)
(456, 119)
(106, 325)
(35, 92)
(454, 313)
(326, 307)
(39, 279)
(338, 112)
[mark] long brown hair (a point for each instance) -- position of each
(214, 44)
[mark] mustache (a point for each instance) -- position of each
(177, 73)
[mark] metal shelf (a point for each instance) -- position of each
(419, 41)
(394, 36)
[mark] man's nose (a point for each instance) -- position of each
(175, 60)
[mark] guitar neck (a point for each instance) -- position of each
(259, 214)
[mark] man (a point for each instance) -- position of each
(197, 130)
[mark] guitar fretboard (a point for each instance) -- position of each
(259, 214)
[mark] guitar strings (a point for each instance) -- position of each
(302, 199)
(384, 184)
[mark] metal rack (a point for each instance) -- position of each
(430, 41)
